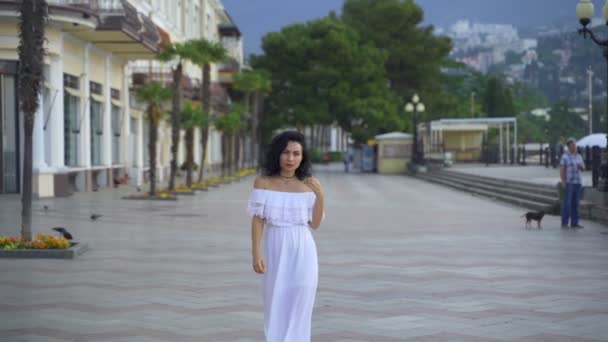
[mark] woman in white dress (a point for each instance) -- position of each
(286, 203)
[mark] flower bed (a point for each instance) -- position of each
(183, 190)
(41, 246)
(40, 241)
(202, 186)
(161, 196)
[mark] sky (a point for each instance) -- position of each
(258, 17)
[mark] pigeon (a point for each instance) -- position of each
(63, 232)
(46, 208)
(95, 216)
(138, 189)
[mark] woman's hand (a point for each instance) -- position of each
(315, 185)
(258, 264)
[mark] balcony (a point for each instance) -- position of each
(191, 88)
(232, 42)
(227, 70)
(113, 25)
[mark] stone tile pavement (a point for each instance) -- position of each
(400, 260)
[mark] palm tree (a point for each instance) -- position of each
(229, 124)
(179, 52)
(155, 96)
(192, 117)
(32, 20)
(206, 53)
(254, 84)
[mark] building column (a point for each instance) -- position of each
(127, 158)
(509, 147)
(139, 158)
(500, 147)
(85, 124)
(515, 133)
(139, 161)
(197, 148)
(334, 138)
(56, 121)
(106, 150)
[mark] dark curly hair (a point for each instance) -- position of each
(272, 164)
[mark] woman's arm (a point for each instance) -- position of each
(257, 229)
(318, 208)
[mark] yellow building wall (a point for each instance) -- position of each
(8, 50)
(117, 77)
(466, 146)
(53, 43)
(394, 156)
(391, 166)
(97, 69)
(73, 58)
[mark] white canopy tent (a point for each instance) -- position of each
(597, 139)
(507, 127)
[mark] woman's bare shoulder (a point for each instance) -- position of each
(261, 182)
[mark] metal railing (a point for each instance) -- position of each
(99, 5)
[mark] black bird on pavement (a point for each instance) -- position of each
(94, 217)
(63, 232)
(46, 208)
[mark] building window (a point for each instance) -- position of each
(96, 88)
(71, 81)
(96, 131)
(116, 125)
(208, 26)
(71, 125)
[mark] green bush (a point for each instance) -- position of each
(336, 156)
(316, 156)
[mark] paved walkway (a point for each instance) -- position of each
(531, 173)
(400, 260)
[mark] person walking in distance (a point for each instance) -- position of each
(347, 160)
(285, 205)
(571, 166)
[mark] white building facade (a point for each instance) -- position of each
(89, 130)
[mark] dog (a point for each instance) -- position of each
(534, 216)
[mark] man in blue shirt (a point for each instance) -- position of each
(571, 165)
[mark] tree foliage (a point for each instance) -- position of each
(323, 73)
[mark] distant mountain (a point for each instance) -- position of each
(258, 17)
(519, 13)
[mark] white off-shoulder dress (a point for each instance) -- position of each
(290, 282)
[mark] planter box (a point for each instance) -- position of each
(77, 249)
(149, 198)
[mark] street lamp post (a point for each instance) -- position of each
(584, 11)
(415, 107)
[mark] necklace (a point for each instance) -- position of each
(285, 180)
